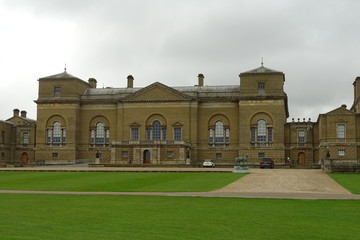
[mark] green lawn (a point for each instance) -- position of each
(350, 181)
(116, 181)
(32, 216)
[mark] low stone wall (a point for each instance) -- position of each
(341, 166)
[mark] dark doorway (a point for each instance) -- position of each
(147, 156)
(24, 158)
(301, 158)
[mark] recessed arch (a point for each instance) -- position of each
(56, 118)
(219, 117)
(261, 115)
(98, 119)
(154, 117)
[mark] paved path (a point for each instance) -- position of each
(261, 183)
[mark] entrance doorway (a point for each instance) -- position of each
(301, 158)
(24, 158)
(147, 156)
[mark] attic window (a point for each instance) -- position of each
(57, 91)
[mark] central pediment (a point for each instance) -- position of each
(157, 92)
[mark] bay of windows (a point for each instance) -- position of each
(261, 133)
(56, 134)
(219, 134)
(156, 131)
(100, 135)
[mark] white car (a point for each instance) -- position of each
(208, 163)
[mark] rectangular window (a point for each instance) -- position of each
(55, 154)
(107, 136)
(218, 155)
(92, 136)
(177, 134)
(164, 132)
(57, 91)
(340, 132)
(261, 155)
(56, 135)
(135, 134)
(227, 136)
(270, 134)
(341, 153)
(301, 137)
(49, 135)
(253, 133)
(148, 134)
(170, 154)
(64, 135)
(125, 154)
(211, 136)
(261, 86)
(2, 137)
(25, 138)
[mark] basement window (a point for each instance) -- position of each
(341, 153)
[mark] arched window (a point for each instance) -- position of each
(100, 134)
(156, 127)
(261, 133)
(56, 134)
(219, 134)
(156, 131)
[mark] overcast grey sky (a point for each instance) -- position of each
(315, 43)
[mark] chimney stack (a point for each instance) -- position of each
(23, 114)
(16, 112)
(201, 80)
(130, 83)
(92, 82)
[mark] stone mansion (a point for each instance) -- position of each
(163, 125)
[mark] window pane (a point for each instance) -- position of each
(341, 152)
(270, 135)
(135, 134)
(177, 134)
(107, 136)
(252, 137)
(25, 139)
(156, 130)
(219, 132)
(227, 136)
(261, 85)
(164, 134)
(56, 132)
(301, 137)
(92, 136)
(261, 131)
(100, 133)
(340, 131)
(49, 135)
(57, 92)
(211, 136)
(64, 135)
(148, 134)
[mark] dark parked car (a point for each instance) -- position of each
(266, 163)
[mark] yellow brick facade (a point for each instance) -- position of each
(163, 125)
